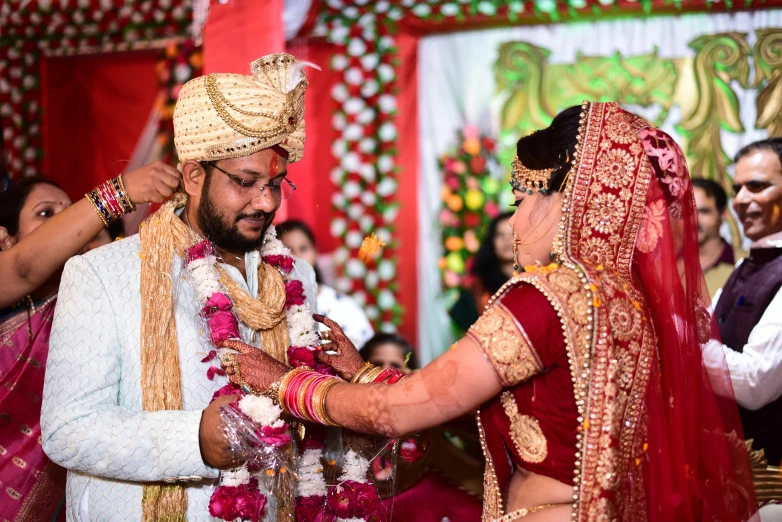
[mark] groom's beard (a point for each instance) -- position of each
(223, 231)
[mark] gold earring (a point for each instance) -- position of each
(515, 252)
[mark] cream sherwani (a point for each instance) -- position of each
(92, 420)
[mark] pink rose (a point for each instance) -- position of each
(313, 509)
(222, 326)
(199, 251)
(247, 503)
(294, 293)
(211, 355)
(228, 389)
(216, 303)
(284, 263)
(221, 496)
(298, 357)
(212, 371)
(325, 369)
(275, 437)
(409, 451)
(365, 500)
(340, 500)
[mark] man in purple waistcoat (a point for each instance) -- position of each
(748, 310)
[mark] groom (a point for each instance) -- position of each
(132, 366)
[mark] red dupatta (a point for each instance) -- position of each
(655, 443)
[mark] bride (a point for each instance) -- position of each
(586, 369)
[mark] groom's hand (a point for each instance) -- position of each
(215, 451)
(252, 366)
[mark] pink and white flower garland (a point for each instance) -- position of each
(354, 498)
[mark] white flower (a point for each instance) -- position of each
(366, 116)
(368, 198)
(356, 47)
(351, 189)
(354, 76)
(235, 477)
(389, 215)
(371, 311)
(381, 6)
(350, 12)
(338, 227)
(386, 300)
(487, 8)
(367, 172)
(386, 270)
(386, 43)
(339, 62)
(343, 284)
(338, 199)
(408, 3)
(387, 132)
(518, 7)
(338, 121)
(338, 34)
(339, 148)
(337, 175)
(422, 10)
(354, 106)
(341, 255)
(360, 297)
(334, 4)
(354, 468)
(367, 20)
(310, 472)
(260, 409)
(367, 145)
(351, 162)
(387, 327)
(369, 88)
(385, 164)
(387, 103)
(386, 187)
(354, 238)
(386, 73)
(355, 269)
(368, 34)
(355, 211)
(449, 9)
(395, 14)
(29, 154)
(360, 2)
(340, 92)
(366, 223)
(370, 61)
(353, 132)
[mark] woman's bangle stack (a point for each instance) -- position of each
(374, 374)
(303, 394)
(111, 200)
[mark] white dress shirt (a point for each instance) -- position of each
(92, 419)
(344, 311)
(756, 372)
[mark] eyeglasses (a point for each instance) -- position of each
(280, 189)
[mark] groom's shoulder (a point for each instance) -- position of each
(116, 259)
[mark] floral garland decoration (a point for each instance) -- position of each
(471, 196)
(354, 498)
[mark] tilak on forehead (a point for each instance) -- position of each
(221, 116)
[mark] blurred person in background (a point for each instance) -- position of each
(716, 254)
(748, 310)
(491, 268)
(297, 236)
(389, 350)
(39, 231)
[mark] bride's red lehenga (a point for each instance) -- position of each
(601, 357)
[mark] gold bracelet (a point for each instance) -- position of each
(286, 379)
(319, 401)
(124, 197)
(367, 367)
(371, 375)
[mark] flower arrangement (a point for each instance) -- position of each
(471, 197)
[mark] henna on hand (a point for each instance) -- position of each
(253, 366)
(347, 362)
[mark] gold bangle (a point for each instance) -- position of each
(94, 197)
(364, 369)
(124, 197)
(301, 400)
(286, 379)
(371, 375)
(319, 401)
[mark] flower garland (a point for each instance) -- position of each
(354, 498)
(471, 195)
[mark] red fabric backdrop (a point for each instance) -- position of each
(95, 108)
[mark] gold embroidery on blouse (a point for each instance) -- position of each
(507, 348)
(492, 498)
(525, 431)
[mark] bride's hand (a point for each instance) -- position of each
(347, 362)
(251, 366)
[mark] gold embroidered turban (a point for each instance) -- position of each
(222, 116)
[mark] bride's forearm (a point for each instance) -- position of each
(452, 385)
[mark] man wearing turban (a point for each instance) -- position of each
(132, 367)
